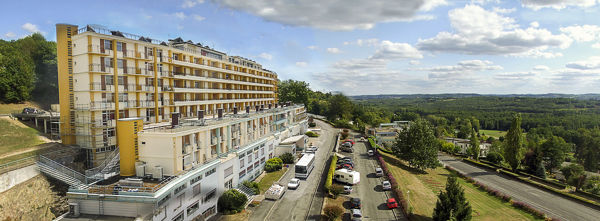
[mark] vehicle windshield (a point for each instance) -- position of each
(300, 169)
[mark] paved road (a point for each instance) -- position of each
(295, 204)
(369, 189)
(549, 203)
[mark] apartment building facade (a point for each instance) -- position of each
(105, 75)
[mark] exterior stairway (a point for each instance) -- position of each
(63, 173)
(246, 191)
(108, 168)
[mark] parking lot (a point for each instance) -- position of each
(369, 190)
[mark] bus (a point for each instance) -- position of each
(305, 165)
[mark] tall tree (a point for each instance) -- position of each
(339, 107)
(295, 91)
(17, 77)
(513, 146)
(417, 145)
(474, 143)
(574, 174)
(452, 204)
(554, 150)
(43, 56)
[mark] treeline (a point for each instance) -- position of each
(28, 70)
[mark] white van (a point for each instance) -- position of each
(346, 176)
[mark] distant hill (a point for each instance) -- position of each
(551, 95)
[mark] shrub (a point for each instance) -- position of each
(311, 134)
(344, 135)
(252, 185)
(312, 124)
(494, 157)
(332, 212)
(232, 201)
(287, 158)
(332, 167)
(528, 208)
(336, 190)
(273, 164)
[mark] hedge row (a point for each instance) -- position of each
(520, 205)
(395, 188)
(374, 145)
(330, 173)
(537, 184)
(554, 183)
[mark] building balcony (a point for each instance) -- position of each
(210, 78)
(97, 49)
(219, 101)
(218, 90)
(215, 68)
(101, 69)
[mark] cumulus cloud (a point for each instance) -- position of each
(334, 50)
(460, 70)
(199, 17)
(333, 14)
(516, 76)
(582, 33)
(191, 3)
(393, 50)
(301, 64)
(360, 64)
(541, 68)
(492, 34)
(364, 42)
(312, 47)
(504, 10)
(557, 4)
(414, 62)
(589, 64)
(265, 56)
(10, 35)
(31, 28)
(534, 24)
(180, 15)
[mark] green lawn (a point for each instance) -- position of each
(13, 108)
(14, 137)
(269, 179)
(493, 133)
(424, 189)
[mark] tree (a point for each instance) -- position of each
(555, 150)
(287, 158)
(273, 164)
(232, 201)
(332, 212)
(452, 204)
(513, 146)
(574, 175)
(475, 124)
(17, 77)
(295, 91)
(340, 107)
(417, 145)
(494, 157)
(474, 143)
(43, 56)
(465, 129)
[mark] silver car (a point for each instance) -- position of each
(386, 185)
(356, 215)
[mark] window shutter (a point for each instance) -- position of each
(103, 82)
(101, 45)
(102, 68)
(124, 49)
(124, 62)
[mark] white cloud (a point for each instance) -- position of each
(301, 64)
(360, 64)
(478, 31)
(265, 56)
(596, 45)
(180, 15)
(516, 76)
(334, 14)
(31, 28)
(199, 17)
(414, 62)
(541, 68)
(334, 50)
(583, 33)
(312, 47)
(392, 50)
(364, 42)
(191, 3)
(460, 70)
(504, 10)
(589, 64)
(10, 35)
(557, 4)
(534, 24)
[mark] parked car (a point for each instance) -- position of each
(370, 153)
(349, 140)
(347, 189)
(312, 149)
(345, 166)
(355, 203)
(294, 183)
(386, 185)
(29, 110)
(362, 139)
(347, 144)
(378, 172)
(356, 215)
(347, 149)
(391, 203)
(345, 162)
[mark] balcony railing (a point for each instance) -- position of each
(98, 49)
(99, 68)
(101, 87)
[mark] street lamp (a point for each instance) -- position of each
(408, 198)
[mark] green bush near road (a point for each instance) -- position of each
(311, 134)
(287, 158)
(273, 164)
(252, 185)
(332, 212)
(232, 201)
(330, 173)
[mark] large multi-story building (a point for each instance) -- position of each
(105, 75)
(188, 122)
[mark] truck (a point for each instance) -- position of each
(275, 192)
(346, 176)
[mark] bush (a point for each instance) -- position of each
(332, 212)
(494, 157)
(232, 201)
(287, 158)
(273, 164)
(311, 134)
(312, 124)
(336, 190)
(252, 185)
(330, 173)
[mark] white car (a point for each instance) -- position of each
(370, 152)
(386, 185)
(294, 183)
(312, 149)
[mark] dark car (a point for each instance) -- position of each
(355, 203)
(29, 110)
(345, 166)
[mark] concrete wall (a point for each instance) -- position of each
(12, 178)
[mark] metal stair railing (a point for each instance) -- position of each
(61, 176)
(57, 167)
(112, 165)
(97, 171)
(246, 190)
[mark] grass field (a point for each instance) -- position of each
(14, 137)
(424, 189)
(269, 179)
(12, 108)
(493, 133)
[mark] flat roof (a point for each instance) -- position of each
(293, 139)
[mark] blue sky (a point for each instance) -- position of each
(365, 47)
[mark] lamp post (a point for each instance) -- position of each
(408, 198)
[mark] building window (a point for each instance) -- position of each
(228, 171)
(256, 164)
(163, 200)
(208, 173)
(119, 46)
(179, 217)
(249, 168)
(229, 184)
(249, 158)
(241, 163)
(256, 155)
(108, 44)
(262, 160)
(191, 209)
(197, 190)
(210, 195)
(196, 179)
(209, 212)
(120, 63)
(179, 189)
(242, 174)
(262, 151)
